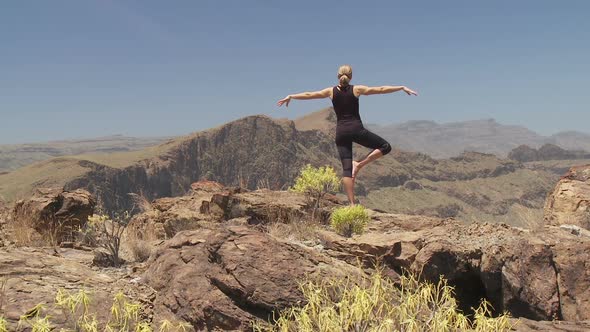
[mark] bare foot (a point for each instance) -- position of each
(356, 167)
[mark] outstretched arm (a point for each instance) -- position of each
(325, 93)
(373, 90)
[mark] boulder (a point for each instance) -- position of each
(55, 210)
(222, 278)
(569, 203)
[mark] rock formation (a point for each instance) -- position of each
(55, 210)
(569, 203)
(540, 276)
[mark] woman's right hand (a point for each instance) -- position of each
(409, 91)
(285, 101)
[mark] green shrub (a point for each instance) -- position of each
(374, 303)
(350, 219)
(316, 182)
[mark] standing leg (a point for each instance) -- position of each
(348, 183)
(345, 151)
(373, 141)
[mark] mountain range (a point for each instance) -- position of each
(487, 136)
(262, 152)
(434, 139)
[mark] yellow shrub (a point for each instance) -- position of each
(374, 304)
(316, 182)
(3, 325)
(76, 307)
(350, 219)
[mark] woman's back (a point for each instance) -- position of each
(346, 104)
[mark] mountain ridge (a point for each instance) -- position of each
(446, 140)
(262, 152)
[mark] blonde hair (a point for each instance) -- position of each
(344, 74)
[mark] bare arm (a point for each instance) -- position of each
(325, 93)
(374, 90)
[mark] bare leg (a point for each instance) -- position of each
(357, 165)
(349, 189)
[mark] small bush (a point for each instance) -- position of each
(350, 219)
(109, 231)
(374, 303)
(316, 182)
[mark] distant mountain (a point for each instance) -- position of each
(451, 139)
(436, 140)
(524, 153)
(571, 140)
(14, 156)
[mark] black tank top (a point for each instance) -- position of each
(346, 105)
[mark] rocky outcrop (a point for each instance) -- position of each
(210, 202)
(223, 278)
(517, 271)
(55, 210)
(569, 203)
(227, 280)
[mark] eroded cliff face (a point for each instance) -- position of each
(569, 203)
(252, 152)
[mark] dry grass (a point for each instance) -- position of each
(374, 303)
(125, 316)
(302, 230)
(140, 249)
(21, 232)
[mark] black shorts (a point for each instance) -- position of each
(347, 134)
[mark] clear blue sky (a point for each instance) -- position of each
(87, 68)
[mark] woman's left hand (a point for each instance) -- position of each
(410, 92)
(285, 101)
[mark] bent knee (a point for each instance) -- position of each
(385, 149)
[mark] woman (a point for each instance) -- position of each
(349, 127)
